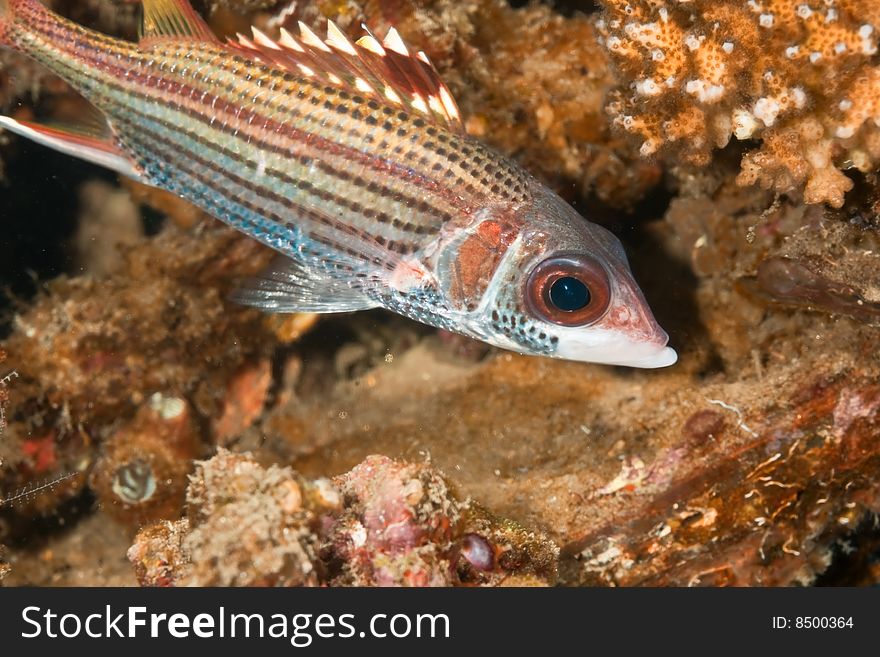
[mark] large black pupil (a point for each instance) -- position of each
(569, 294)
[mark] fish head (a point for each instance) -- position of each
(563, 288)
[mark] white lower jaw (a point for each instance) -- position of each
(663, 358)
(617, 352)
(602, 347)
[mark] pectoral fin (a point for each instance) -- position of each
(288, 287)
(95, 147)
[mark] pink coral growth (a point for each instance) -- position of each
(397, 529)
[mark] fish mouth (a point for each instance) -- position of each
(618, 350)
(663, 358)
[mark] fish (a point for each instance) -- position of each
(351, 160)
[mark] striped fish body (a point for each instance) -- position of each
(351, 162)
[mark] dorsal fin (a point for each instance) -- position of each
(385, 70)
(172, 19)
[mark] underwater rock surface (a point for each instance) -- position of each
(146, 410)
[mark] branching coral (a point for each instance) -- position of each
(799, 75)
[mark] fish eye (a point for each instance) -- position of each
(569, 294)
(569, 290)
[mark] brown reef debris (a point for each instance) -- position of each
(91, 351)
(141, 472)
(245, 525)
(754, 461)
(642, 481)
(4, 567)
(800, 76)
(384, 523)
(744, 501)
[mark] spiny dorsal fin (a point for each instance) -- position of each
(385, 70)
(172, 19)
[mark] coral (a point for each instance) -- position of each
(403, 527)
(90, 352)
(798, 75)
(751, 462)
(384, 523)
(84, 344)
(108, 223)
(245, 526)
(795, 494)
(398, 527)
(244, 400)
(5, 568)
(141, 473)
(158, 555)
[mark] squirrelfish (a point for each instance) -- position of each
(351, 160)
